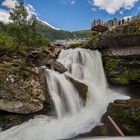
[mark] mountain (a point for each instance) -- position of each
(53, 33)
(47, 24)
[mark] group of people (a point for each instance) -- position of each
(114, 22)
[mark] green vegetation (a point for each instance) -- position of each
(85, 44)
(126, 77)
(126, 114)
(6, 42)
(83, 33)
(110, 64)
(53, 34)
(21, 33)
(76, 45)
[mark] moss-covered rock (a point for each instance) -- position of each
(127, 115)
(110, 64)
(129, 77)
(122, 69)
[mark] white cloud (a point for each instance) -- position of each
(12, 3)
(112, 6)
(9, 3)
(4, 16)
(68, 1)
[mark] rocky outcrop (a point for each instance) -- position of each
(127, 115)
(40, 56)
(127, 35)
(23, 89)
(81, 88)
(20, 106)
(122, 65)
(57, 66)
(23, 85)
(120, 48)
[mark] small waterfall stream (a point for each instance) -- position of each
(73, 117)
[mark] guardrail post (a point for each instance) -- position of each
(112, 128)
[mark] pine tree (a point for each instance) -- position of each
(24, 29)
(19, 14)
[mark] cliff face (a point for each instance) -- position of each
(120, 48)
(122, 65)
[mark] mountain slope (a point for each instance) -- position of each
(54, 34)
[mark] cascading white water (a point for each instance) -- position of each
(64, 95)
(73, 118)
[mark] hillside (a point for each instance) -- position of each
(83, 33)
(53, 34)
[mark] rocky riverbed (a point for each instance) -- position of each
(23, 87)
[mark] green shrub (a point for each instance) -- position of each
(7, 42)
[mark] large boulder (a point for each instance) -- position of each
(20, 106)
(80, 87)
(40, 56)
(57, 66)
(23, 90)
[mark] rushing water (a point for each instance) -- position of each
(73, 117)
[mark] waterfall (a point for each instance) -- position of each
(73, 117)
(64, 95)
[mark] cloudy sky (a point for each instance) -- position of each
(73, 15)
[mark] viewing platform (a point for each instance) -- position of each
(99, 28)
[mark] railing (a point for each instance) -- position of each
(112, 128)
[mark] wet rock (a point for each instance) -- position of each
(81, 88)
(57, 66)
